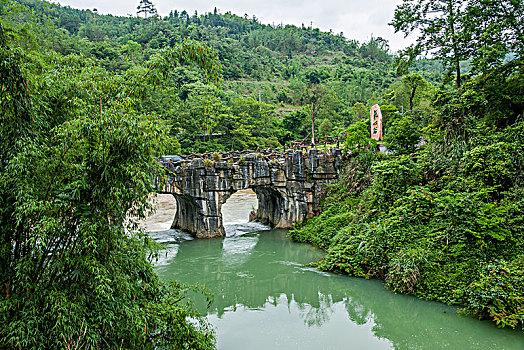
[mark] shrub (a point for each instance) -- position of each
(498, 294)
(359, 134)
(490, 167)
(403, 135)
(404, 270)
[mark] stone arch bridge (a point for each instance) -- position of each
(288, 186)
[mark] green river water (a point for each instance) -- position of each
(265, 298)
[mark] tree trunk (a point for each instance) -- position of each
(313, 128)
(458, 73)
(454, 42)
(411, 98)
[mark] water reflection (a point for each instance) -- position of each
(263, 281)
(245, 228)
(265, 298)
(171, 240)
(236, 250)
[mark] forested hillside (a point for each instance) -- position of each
(275, 78)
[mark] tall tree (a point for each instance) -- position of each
(146, 7)
(441, 27)
(497, 29)
(315, 95)
(75, 270)
(413, 83)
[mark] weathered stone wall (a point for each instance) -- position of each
(288, 188)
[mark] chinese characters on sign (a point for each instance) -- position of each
(376, 123)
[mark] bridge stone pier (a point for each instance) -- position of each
(288, 187)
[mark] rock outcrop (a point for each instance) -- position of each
(288, 188)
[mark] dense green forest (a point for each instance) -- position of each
(275, 78)
(88, 101)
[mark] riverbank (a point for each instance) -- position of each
(266, 297)
(430, 226)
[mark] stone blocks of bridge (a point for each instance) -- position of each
(288, 188)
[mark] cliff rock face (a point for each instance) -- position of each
(288, 188)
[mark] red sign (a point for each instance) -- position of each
(376, 123)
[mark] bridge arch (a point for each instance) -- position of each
(288, 187)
